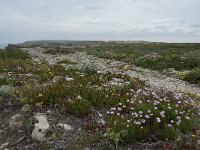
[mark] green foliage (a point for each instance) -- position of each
(193, 76)
(137, 112)
(6, 81)
(93, 88)
(60, 51)
(149, 113)
(79, 107)
(169, 61)
(180, 142)
(89, 69)
(116, 137)
(6, 90)
(155, 56)
(13, 53)
(65, 61)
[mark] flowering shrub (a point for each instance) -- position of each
(148, 113)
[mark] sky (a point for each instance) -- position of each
(150, 20)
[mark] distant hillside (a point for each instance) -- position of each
(69, 44)
(57, 43)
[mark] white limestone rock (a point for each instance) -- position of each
(41, 128)
(66, 127)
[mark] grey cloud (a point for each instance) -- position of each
(160, 20)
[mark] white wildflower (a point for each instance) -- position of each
(162, 114)
(143, 121)
(140, 112)
(158, 119)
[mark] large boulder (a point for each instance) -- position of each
(41, 128)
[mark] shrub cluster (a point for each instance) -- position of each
(193, 76)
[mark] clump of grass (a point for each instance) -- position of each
(79, 107)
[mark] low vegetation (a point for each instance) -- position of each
(193, 76)
(155, 56)
(130, 110)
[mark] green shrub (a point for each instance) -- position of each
(60, 51)
(13, 53)
(89, 69)
(65, 61)
(79, 107)
(193, 76)
(6, 90)
(6, 81)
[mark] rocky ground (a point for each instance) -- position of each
(25, 130)
(66, 131)
(155, 79)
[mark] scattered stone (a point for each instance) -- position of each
(56, 78)
(127, 67)
(41, 128)
(16, 121)
(49, 112)
(198, 144)
(87, 148)
(65, 126)
(117, 82)
(4, 145)
(170, 72)
(69, 79)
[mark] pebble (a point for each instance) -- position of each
(65, 126)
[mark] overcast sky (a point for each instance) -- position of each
(153, 20)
